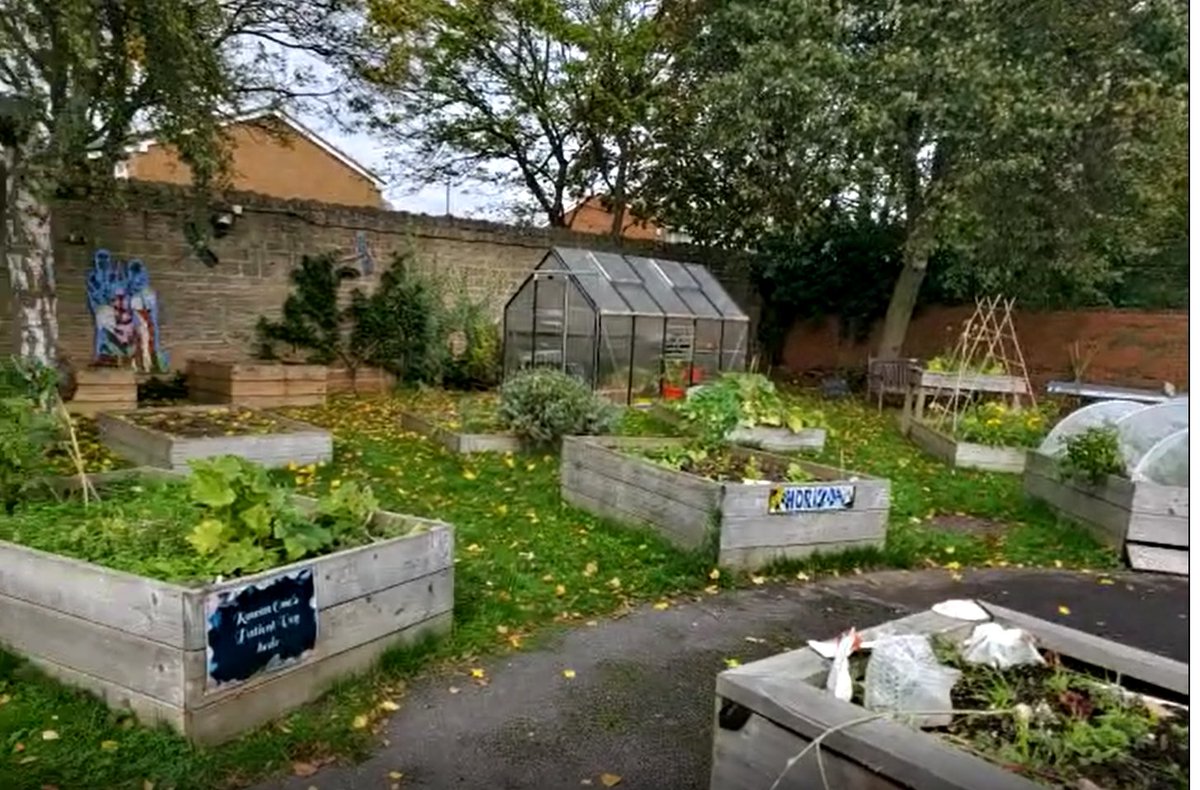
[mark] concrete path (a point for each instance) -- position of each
(640, 704)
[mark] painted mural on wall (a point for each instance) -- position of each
(125, 315)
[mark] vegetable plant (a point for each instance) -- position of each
(248, 524)
(947, 363)
(1093, 455)
(743, 400)
(542, 405)
(995, 424)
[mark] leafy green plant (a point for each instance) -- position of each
(742, 400)
(312, 320)
(948, 363)
(248, 524)
(27, 434)
(1092, 455)
(476, 365)
(543, 405)
(997, 425)
(401, 327)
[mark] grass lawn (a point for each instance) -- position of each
(524, 561)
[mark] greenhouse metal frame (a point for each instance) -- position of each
(633, 327)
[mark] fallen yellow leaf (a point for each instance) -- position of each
(389, 706)
(661, 605)
(732, 663)
(49, 735)
(1058, 563)
(758, 579)
(560, 590)
(360, 722)
(469, 475)
(502, 629)
(715, 574)
(395, 775)
(568, 673)
(477, 673)
(614, 582)
(949, 549)
(509, 462)
(1098, 581)
(712, 589)
(610, 780)
(1064, 610)
(109, 746)
(590, 569)
(802, 576)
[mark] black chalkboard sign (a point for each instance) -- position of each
(262, 626)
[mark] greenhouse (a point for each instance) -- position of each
(1153, 439)
(634, 328)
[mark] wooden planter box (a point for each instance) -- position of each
(927, 383)
(1145, 520)
(695, 513)
(141, 644)
(364, 381)
(460, 442)
(258, 384)
(103, 389)
(967, 455)
(761, 437)
(768, 711)
(302, 444)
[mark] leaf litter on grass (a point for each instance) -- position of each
(512, 508)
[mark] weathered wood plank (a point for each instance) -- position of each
(779, 440)
(967, 455)
(1106, 521)
(1158, 559)
(608, 462)
(341, 628)
(149, 710)
(463, 443)
(906, 756)
(235, 713)
(1164, 530)
(746, 500)
(686, 525)
(1104, 653)
(143, 607)
(1159, 500)
(149, 667)
(976, 382)
(753, 558)
(755, 755)
(803, 528)
(346, 575)
(1116, 490)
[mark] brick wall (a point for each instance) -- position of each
(212, 311)
(1126, 347)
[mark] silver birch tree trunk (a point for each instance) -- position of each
(29, 255)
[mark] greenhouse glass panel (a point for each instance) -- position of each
(1140, 430)
(1166, 463)
(735, 345)
(1091, 416)
(626, 324)
(615, 350)
(707, 356)
(648, 336)
(518, 335)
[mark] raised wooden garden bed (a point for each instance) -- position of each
(923, 384)
(169, 437)
(967, 455)
(457, 442)
(363, 381)
(103, 389)
(749, 523)
(760, 437)
(768, 711)
(258, 384)
(144, 644)
(1146, 520)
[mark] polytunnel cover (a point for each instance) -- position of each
(1091, 416)
(1166, 463)
(1140, 430)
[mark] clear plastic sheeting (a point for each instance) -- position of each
(1139, 431)
(1093, 415)
(1166, 463)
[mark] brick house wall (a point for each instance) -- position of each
(212, 311)
(280, 162)
(591, 216)
(1131, 348)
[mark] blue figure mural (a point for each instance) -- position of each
(125, 314)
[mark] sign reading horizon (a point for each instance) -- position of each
(260, 627)
(809, 498)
